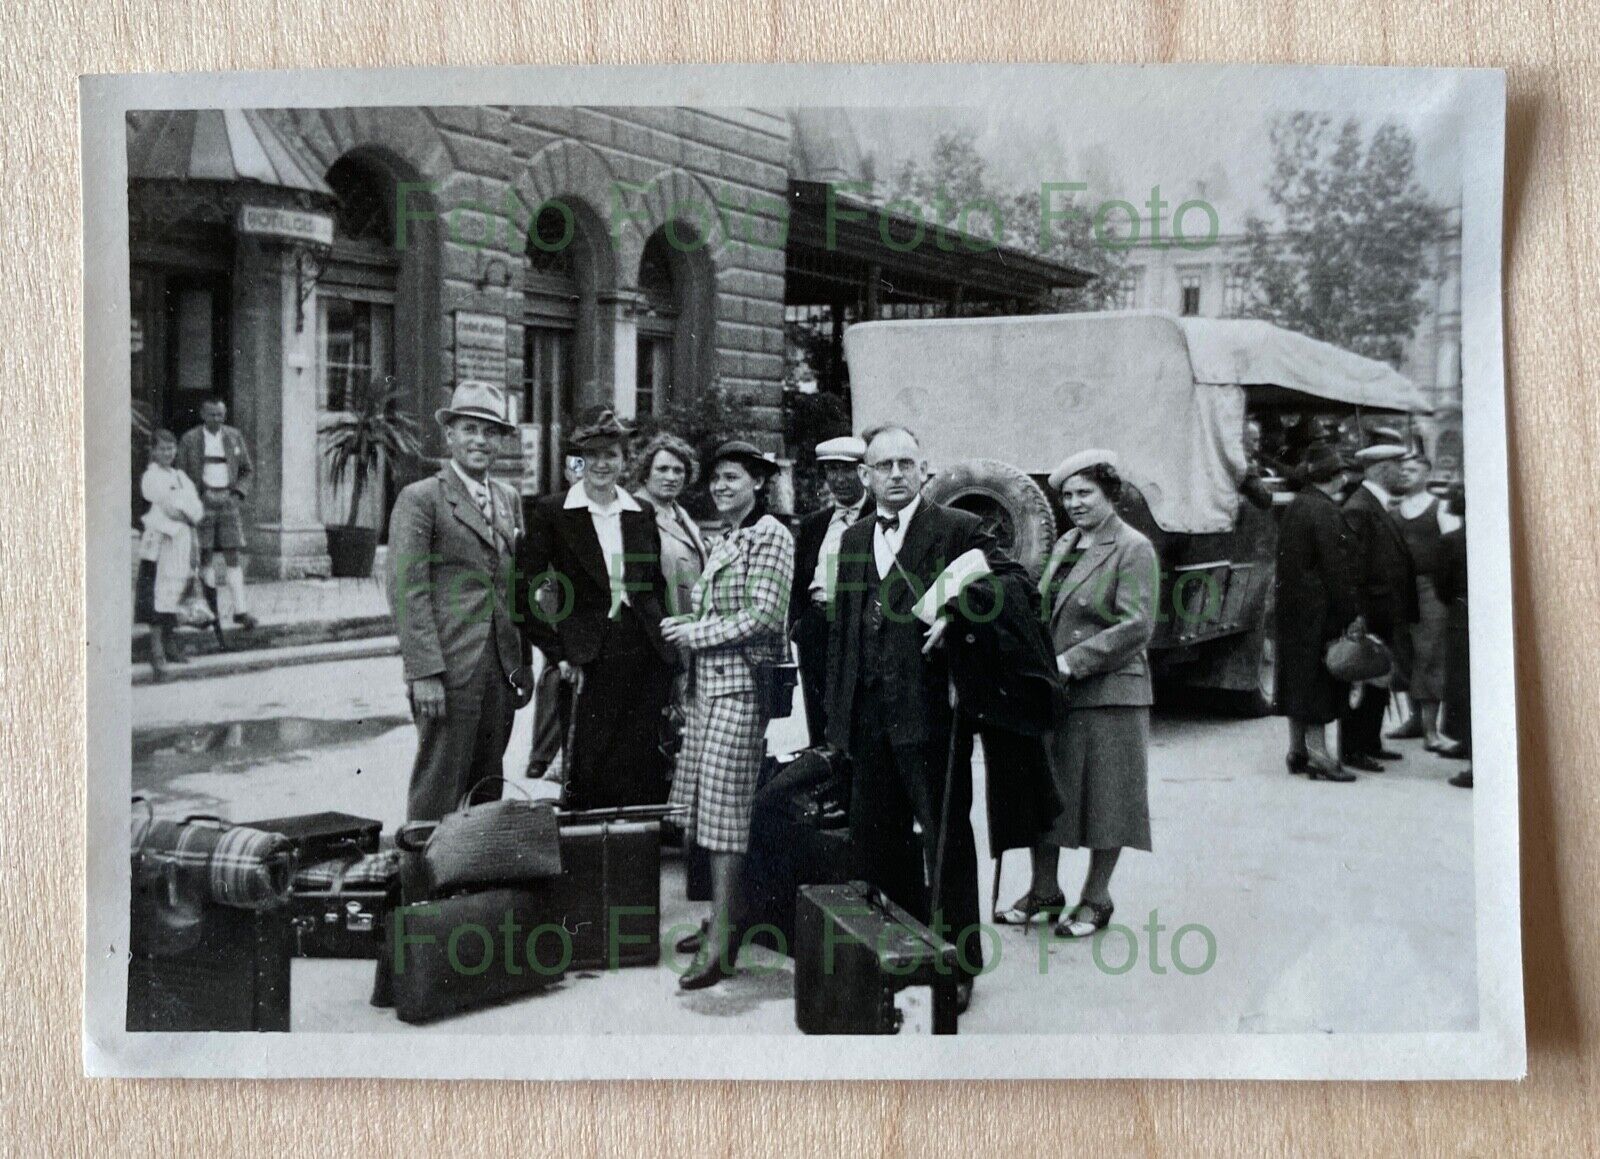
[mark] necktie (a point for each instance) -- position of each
(889, 522)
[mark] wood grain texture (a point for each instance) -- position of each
(1550, 49)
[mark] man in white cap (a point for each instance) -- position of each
(1386, 596)
(452, 540)
(816, 569)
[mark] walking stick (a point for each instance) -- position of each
(937, 886)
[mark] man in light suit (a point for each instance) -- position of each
(452, 540)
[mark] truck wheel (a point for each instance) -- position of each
(1012, 506)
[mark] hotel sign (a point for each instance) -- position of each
(287, 224)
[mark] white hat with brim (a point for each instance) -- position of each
(1380, 453)
(475, 400)
(845, 449)
(1072, 464)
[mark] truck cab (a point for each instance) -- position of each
(997, 402)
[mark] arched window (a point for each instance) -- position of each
(658, 319)
(676, 317)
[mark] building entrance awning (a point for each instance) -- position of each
(217, 145)
(838, 253)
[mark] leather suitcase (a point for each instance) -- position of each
(337, 909)
(325, 836)
(236, 978)
(609, 891)
(450, 956)
(855, 950)
(799, 836)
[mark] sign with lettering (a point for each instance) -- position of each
(480, 347)
(288, 224)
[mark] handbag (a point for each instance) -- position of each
(515, 839)
(1353, 659)
(775, 685)
(193, 611)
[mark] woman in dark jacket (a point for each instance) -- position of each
(601, 552)
(1315, 599)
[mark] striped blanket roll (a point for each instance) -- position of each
(227, 864)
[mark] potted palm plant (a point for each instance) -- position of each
(363, 442)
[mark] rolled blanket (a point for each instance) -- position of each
(227, 864)
(374, 869)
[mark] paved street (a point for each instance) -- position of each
(1331, 907)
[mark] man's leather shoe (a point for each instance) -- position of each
(1363, 762)
(1389, 755)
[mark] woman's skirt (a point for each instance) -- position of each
(715, 781)
(1428, 644)
(615, 758)
(1099, 759)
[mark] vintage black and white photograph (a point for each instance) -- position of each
(964, 570)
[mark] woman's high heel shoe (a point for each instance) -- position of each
(1029, 906)
(690, 943)
(1321, 769)
(711, 967)
(1099, 917)
(1298, 763)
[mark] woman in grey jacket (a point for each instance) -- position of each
(1100, 585)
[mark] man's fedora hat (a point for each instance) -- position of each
(598, 426)
(748, 454)
(475, 400)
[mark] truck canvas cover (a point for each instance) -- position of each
(1167, 394)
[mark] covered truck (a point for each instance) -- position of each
(997, 402)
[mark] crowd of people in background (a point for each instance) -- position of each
(1366, 550)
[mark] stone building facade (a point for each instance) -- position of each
(579, 255)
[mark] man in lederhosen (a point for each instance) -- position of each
(214, 455)
(816, 570)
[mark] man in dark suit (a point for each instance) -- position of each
(889, 695)
(815, 570)
(602, 551)
(451, 543)
(1386, 596)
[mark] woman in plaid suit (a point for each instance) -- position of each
(736, 625)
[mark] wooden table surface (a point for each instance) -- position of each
(1550, 50)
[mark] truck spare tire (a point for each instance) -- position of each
(1012, 506)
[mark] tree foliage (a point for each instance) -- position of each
(954, 188)
(1343, 257)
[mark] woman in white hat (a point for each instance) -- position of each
(1100, 584)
